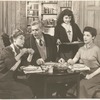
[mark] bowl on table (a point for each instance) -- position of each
(60, 68)
(47, 66)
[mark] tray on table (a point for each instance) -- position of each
(79, 67)
(32, 69)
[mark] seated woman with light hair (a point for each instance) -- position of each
(10, 67)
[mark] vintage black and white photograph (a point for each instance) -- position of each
(49, 49)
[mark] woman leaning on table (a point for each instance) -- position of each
(89, 55)
(67, 31)
(12, 85)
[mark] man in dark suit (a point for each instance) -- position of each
(42, 44)
(44, 51)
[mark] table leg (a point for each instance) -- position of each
(45, 90)
(78, 87)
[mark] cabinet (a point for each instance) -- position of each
(49, 13)
(33, 11)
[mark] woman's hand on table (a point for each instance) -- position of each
(61, 60)
(40, 61)
(21, 68)
(88, 76)
(70, 61)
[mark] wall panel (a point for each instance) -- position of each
(90, 18)
(18, 14)
(23, 15)
(0, 17)
(9, 17)
(12, 15)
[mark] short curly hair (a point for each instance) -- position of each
(92, 31)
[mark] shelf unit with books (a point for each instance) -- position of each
(33, 11)
(49, 13)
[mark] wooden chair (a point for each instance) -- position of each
(5, 38)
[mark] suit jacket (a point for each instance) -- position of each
(30, 42)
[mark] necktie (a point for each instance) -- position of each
(41, 42)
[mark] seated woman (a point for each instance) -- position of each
(89, 55)
(10, 62)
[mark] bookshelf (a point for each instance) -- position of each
(33, 11)
(47, 11)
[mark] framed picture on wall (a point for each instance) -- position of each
(63, 8)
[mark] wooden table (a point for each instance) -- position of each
(48, 79)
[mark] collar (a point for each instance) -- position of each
(13, 49)
(42, 38)
(89, 46)
(66, 26)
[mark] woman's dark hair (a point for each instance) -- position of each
(15, 34)
(92, 31)
(62, 14)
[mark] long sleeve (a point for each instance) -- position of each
(77, 56)
(56, 34)
(7, 59)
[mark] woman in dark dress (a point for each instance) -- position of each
(13, 83)
(67, 31)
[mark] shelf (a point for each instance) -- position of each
(44, 12)
(49, 3)
(48, 14)
(32, 9)
(32, 16)
(47, 11)
(49, 26)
